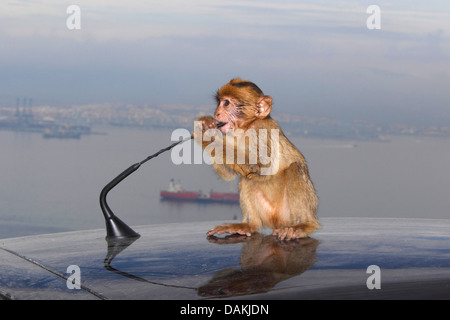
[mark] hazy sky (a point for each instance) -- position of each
(315, 57)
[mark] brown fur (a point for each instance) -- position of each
(285, 201)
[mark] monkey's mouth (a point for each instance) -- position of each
(223, 126)
(220, 124)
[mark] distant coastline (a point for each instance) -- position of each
(73, 121)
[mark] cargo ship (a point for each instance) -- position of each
(175, 192)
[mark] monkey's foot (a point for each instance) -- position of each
(232, 228)
(289, 233)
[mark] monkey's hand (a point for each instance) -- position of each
(207, 122)
(253, 170)
(249, 171)
(201, 125)
(232, 228)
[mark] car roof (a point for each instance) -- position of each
(178, 261)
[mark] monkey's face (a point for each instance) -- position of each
(239, 114)
(229, 111)
(239, 103)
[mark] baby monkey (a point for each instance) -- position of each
(274, 185)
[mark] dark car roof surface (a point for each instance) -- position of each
(178, 261)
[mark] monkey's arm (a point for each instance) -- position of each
(229, 159)
(224, 161)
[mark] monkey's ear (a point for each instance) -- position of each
(264, 106)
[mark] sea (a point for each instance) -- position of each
(53, 185)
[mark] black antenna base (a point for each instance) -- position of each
(117, 229)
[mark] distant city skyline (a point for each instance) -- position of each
(70, 122)
(315, 58)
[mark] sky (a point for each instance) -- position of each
(313, 57)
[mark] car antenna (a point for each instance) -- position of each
(116, 228)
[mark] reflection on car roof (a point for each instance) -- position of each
(178, 261)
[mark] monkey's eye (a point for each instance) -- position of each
(226, 103)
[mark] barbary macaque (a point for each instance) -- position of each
(274, 185)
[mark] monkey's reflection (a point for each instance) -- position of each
(264, 262)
